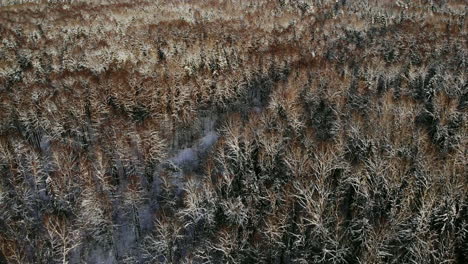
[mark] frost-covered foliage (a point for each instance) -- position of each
(233, 131)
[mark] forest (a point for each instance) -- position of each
(233, 131)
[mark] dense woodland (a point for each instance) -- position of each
(234, 131)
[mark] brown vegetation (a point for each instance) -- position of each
(234, 132)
